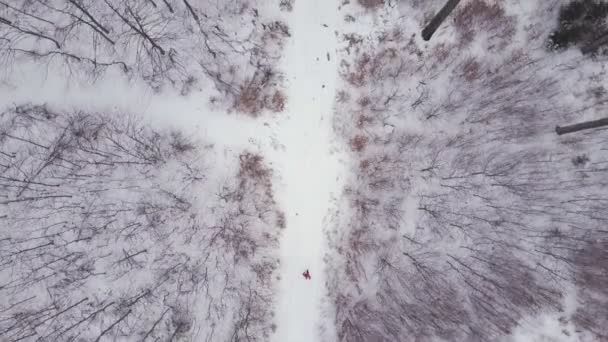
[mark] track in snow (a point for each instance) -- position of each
(309, 172)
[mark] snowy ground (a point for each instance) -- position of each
(389, 244)
(307, 157)
(298, 145)
(309, 169)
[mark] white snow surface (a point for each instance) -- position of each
(310, 171)
(298, 144)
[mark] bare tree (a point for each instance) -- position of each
(456, 223)
(128, 233)
(177, 43)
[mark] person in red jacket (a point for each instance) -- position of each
(306, 275)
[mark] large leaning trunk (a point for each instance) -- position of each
(430, 29)
(581, 126)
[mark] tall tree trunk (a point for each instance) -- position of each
(581, 126)
(428, 31)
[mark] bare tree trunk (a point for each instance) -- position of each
(428, 31)
(581, 126)
(169, 6)
(191, 10)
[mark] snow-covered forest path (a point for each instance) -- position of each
(308, 168)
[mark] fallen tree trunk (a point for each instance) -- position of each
(581, 126)
(430, 29)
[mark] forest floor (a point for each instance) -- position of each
(387, 146)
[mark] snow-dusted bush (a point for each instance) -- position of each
(231, 45)
(465, 215)
(286, 5)
(111, 230)
(371, 4)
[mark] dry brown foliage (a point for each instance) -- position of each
(364, 101)
(441, 52)
(373, 67)
(252, 166)
(260, 93)
(485, 17)
(471, 69)
(364, 164)
(358, 143)
(364, 120)
(250, 101)
(277, 103)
